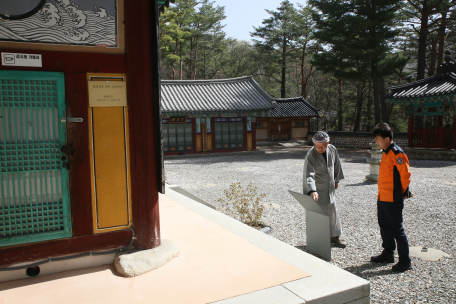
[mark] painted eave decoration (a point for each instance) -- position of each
(440, 88)
(235, 95)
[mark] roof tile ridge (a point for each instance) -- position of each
(207, 81)
(421, 81)
(261, 90)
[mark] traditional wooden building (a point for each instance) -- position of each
(289, 120)
(80, 116)
(429, 104)
(203, 116)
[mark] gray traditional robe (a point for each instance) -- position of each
(321, 176)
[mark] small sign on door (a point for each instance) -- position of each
(18, 59)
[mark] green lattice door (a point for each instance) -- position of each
(33, 182)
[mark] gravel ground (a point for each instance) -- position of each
(429, 217)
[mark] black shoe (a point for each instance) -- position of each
(401, 267)
(383, 258)
(337, 243)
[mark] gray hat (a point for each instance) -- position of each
(320, 137)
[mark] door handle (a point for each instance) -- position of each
(71, 119)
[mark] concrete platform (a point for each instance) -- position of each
(221, 261)
(327, 283)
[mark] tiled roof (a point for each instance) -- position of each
(220, 95)
(442, 84)
(293, 107)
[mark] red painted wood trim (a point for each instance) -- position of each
(194, 135)
(78, 133)
(139, 50)
(27, 253)
(213, 132)
(73, 62)
(254, 135)
(244, 120)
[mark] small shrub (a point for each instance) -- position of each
(243, 204)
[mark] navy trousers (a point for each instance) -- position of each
(391, 229)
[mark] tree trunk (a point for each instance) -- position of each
(284, 62)
(433, 57)
(180, 61)
(442, 27)
(367, 118)
(377, 110)
(196, 57)
(420, 73)
(381, 93)
(303, 80)
(359, 106)
(172, 62)
(422, 47)
(190, 65)
(340, 105)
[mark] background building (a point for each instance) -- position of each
(289, 120)
(429, 104)
(212, 115)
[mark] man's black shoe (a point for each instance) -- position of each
(337, 243)
(383, 258)
(401, 267)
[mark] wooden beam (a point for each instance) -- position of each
(28, 253)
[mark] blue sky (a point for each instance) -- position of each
(242, 15)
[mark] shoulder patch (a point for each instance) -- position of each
(399, 160)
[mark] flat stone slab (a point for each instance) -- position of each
(134, 263)
(430, 255)
(271, 206)
(294, 144)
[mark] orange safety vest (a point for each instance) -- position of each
(394, 175)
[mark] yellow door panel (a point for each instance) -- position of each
(110, 166)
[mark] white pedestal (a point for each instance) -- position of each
(374, 162)
(317, 226)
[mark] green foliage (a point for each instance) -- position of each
(351, 40)
(243, 204)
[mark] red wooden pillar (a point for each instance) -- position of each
(254, 135)
(410, 130)
(142, 51)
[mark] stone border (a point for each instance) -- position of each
(359, 139)
(429, 154)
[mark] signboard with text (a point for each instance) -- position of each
(107, 93)
(18, 59)
(177, 119)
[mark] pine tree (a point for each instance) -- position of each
(356, 35)
(277, 34)
(421, 10)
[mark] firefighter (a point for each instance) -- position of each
(393, 189)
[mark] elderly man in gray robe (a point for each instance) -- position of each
(322, 173)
